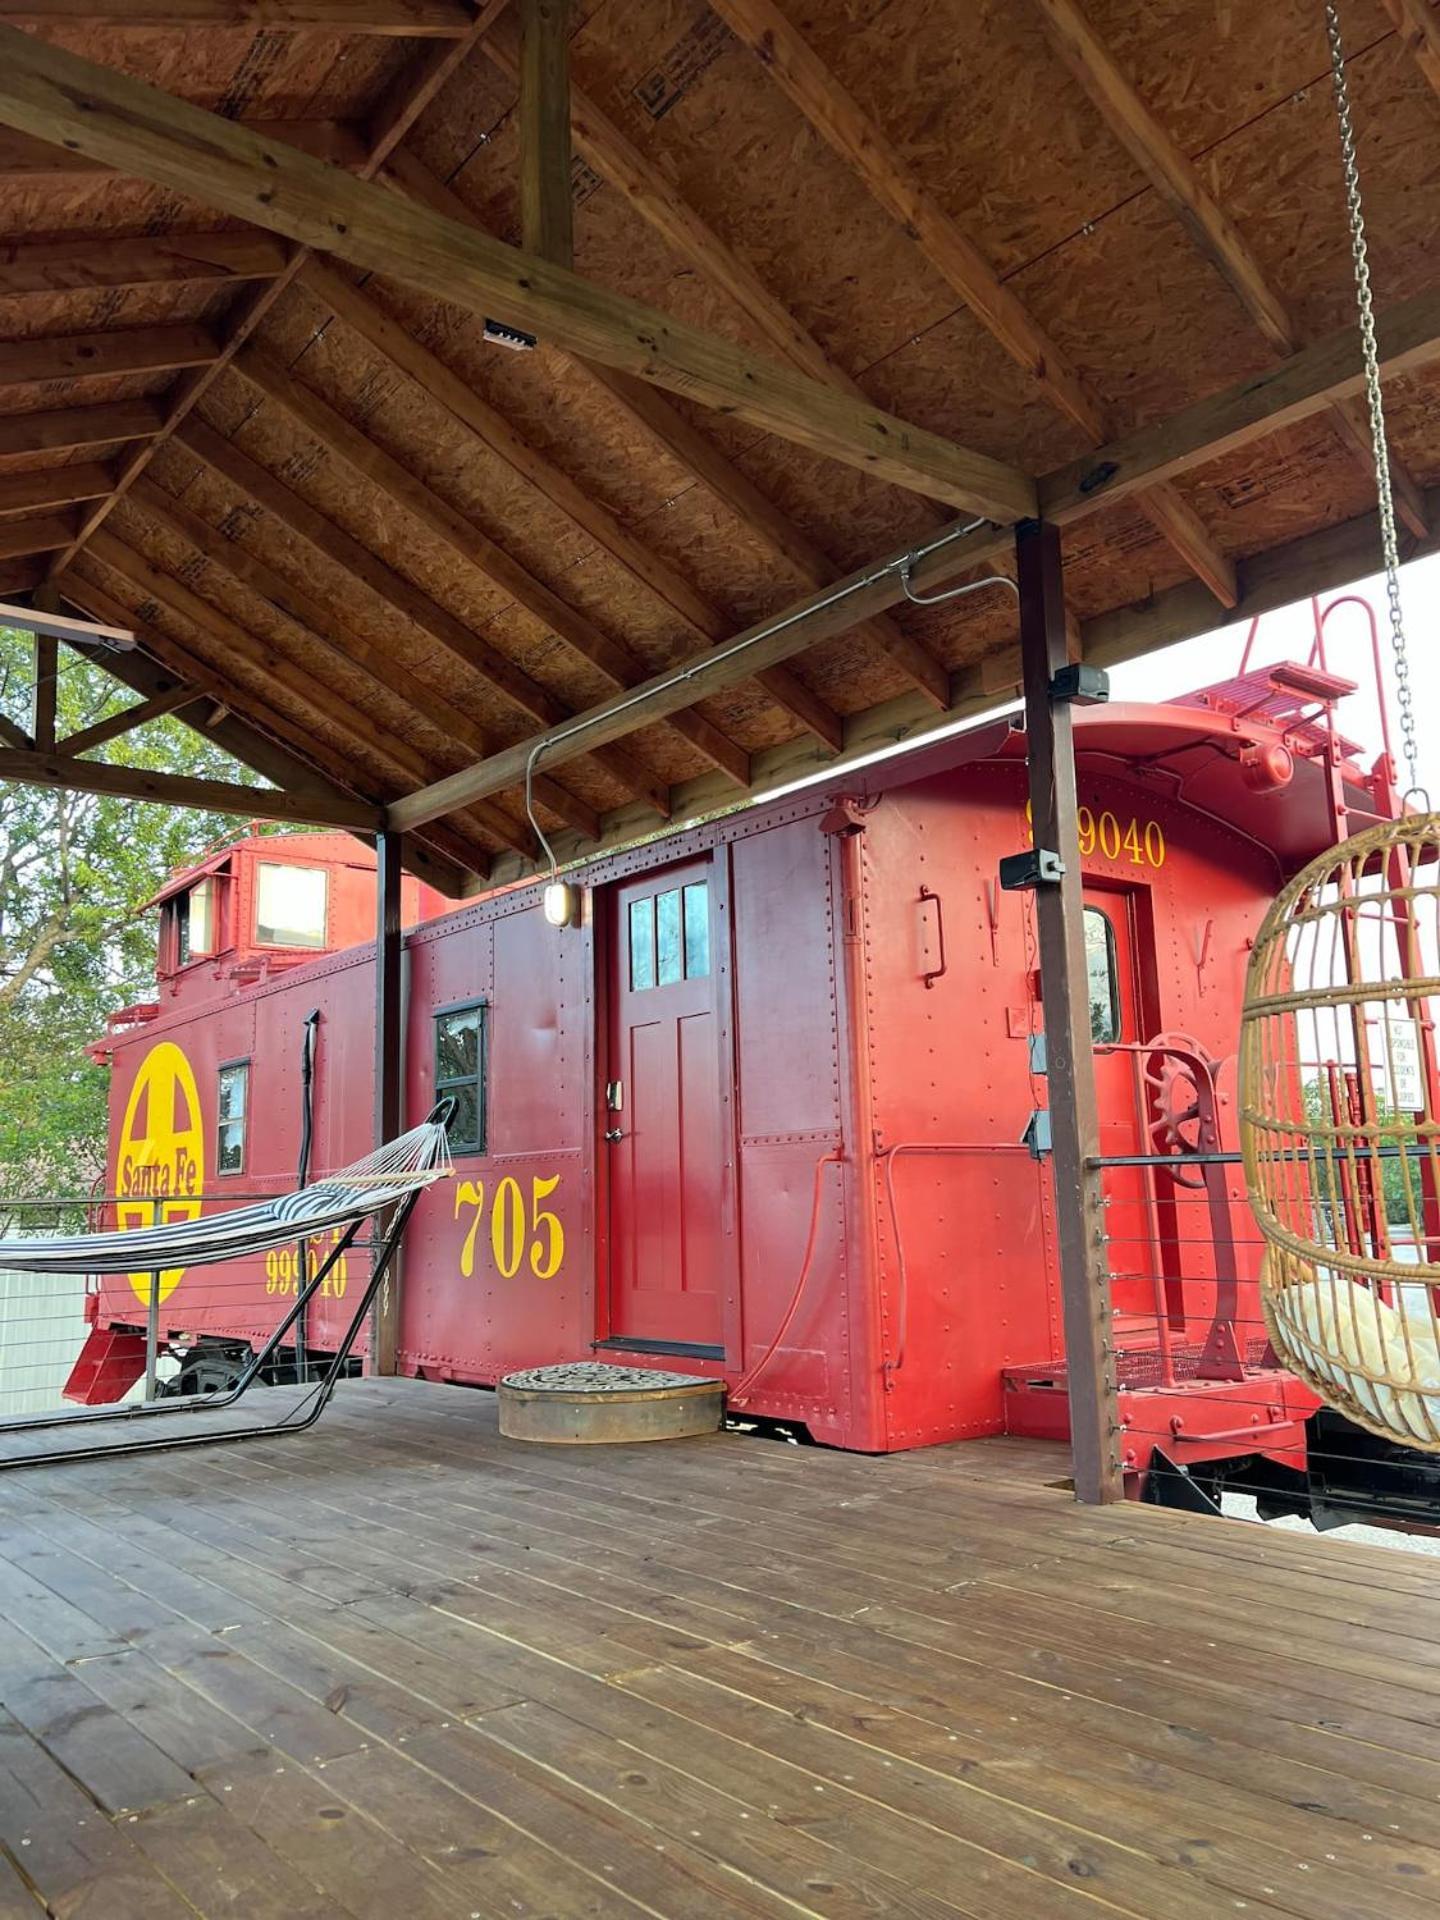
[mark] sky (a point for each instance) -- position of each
(1287, 635)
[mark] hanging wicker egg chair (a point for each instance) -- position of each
(1339, 1127)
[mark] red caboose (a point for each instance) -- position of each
(775, 1108)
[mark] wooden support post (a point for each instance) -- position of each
(1069, 1059)
(389, 1071)
(47, 671)
(546, 213)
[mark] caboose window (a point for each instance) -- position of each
(290, 906)
(232, 1106)
(460, 1073)
(1103, 971)
(195, 922)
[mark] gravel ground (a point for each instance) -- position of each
(1240, 1506)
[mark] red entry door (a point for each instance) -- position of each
(1110, 957)
(665, 1130)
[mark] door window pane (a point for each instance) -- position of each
(232, 1100)
(667, 938)
(291, 906)
(1102, 972)
(642, 945)
(697, 931)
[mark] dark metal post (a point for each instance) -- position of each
(1069, 1059)
(389, 1069)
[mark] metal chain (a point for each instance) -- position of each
(1385, 496)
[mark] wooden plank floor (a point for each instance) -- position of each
(401, 1668)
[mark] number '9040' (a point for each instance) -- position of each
(518, 1229)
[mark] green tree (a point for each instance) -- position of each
(75, 869)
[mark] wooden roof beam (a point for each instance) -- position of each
(841, 121)
(67, 429)
(274, 745)
(347, 442)
(162, 590)
(1300, 387)
(400, 347)
(1177, 181)
(779, 637)
(546, 206)
(301, 681)
(181, 790)
(1418, 25)
(401, 595)
(704, 460)
(86, 739)
(314, 617)
(20, 538)
(84, 356)
(399, 19)
(24, 156)
(54, 487)
(424, 78)
(74, 266)
(48, 91)
(645, 187)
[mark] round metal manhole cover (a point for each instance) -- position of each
(596, 1376)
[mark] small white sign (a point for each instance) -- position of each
(1407, 1079)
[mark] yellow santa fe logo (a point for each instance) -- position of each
(160, 1172)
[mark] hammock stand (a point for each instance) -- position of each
(433, 1163)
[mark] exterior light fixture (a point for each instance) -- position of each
(562, 903)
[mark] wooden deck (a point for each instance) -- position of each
(402, 1668)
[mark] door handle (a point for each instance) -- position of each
(612, 1134)
(935, 973)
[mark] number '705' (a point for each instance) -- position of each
(515, 1227)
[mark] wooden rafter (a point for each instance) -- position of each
(78, 265)
(235, 642)
(269, 741)
(45, 90)
(24, 157)
(839, 118)
(358, 663)
(341, 437)
(817, 618)
(546, 207)
(41, 769)
(663, 421)
(20, 538)
(325, 693)
(401, 19)
(658, 202)
(1306, 384)
(1419, 28)
(54, 487)
(613, 155)
(68, 428)
(401, 595)
(428, 74)
(102, 732)
(83, 356)
(1177, 181)
(1299, 388)
(399, 346)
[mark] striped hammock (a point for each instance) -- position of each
(402, 1166)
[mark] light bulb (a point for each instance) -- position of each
(561, 903)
